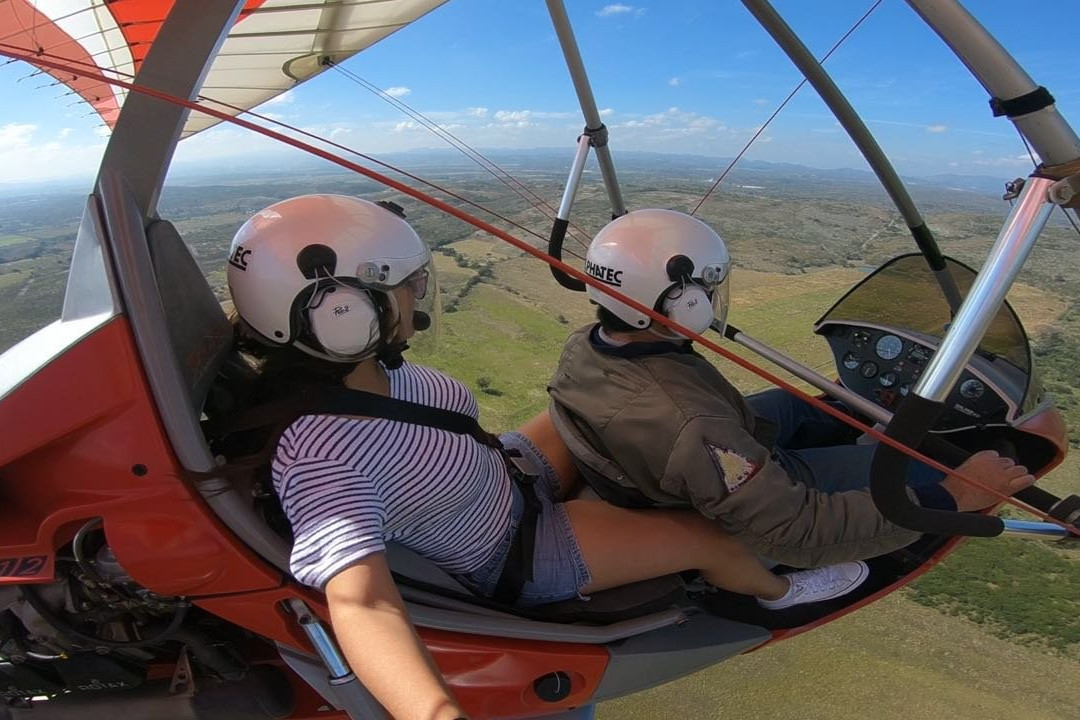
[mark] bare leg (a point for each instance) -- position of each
(540, 430)
(622, 546)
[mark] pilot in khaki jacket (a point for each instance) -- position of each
(651, 422)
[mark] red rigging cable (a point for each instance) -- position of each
(21, 54)
(779, 108)
(339, 146)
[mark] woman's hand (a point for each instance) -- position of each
(381, 645)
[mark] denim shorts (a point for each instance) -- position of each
(558, 571)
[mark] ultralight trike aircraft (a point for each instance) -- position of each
(133, 581)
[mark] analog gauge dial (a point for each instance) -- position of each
(972, 389)
(850, 360)
(887, 379)
(868, 369)
(889, 347)
(859, 338)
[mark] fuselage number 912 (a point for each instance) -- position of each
(28, 566)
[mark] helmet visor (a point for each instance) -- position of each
(720, 297)
(714, 278)
(423, 285)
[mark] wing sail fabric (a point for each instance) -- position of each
(274, 46)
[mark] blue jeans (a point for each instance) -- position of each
(559, 571)
(818, 450)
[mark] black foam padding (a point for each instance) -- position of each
(555, 243)
(1037, 99)
(888, 478)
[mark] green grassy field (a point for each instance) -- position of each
(894, 659)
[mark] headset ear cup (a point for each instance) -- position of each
(691, 308)
(344, 320)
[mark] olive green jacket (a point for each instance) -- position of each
(668, 425)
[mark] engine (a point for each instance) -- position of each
(95, 643)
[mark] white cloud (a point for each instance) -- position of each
(616, 9)
(103, 131)
(760, 101)
(398, 91)
(284, 98)
(14, 136)
(25, 160)
(1002, 161)
(64, 132)
(606, 112)
(516, 117)
(937, 128)
(477, 111)
(672, 117)
(675, 82)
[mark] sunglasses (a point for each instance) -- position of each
(418, 283)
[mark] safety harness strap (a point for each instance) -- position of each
(331, 400)
(337, 400)
(518, 568)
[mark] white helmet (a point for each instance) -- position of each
(665, 260)
(302, 272)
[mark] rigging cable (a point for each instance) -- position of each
(779, 108)
(265, 118)
(524, 192)
(568, 269)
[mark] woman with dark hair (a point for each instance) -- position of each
(338, 279)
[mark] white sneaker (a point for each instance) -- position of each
(823, 583)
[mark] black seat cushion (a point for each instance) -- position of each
(621, 603)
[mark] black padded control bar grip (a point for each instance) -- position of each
(888, 478)
(555, 242)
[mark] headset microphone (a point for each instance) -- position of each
(420, 320)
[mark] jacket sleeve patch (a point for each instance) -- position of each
(734, 469)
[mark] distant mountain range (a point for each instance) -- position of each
(752, 174)
(558, 160)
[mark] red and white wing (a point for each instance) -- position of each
(274, 45)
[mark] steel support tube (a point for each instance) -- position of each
(1041, 530)
(572, 55)
(864, 140)
(129, 182)
(1050, 135)
(324, 644)
(1007, 256)
(834, 390)
(572, 182)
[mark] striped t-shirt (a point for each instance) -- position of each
(350, 485)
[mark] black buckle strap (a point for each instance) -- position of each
(518, 568)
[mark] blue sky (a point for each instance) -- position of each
(673, 76)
